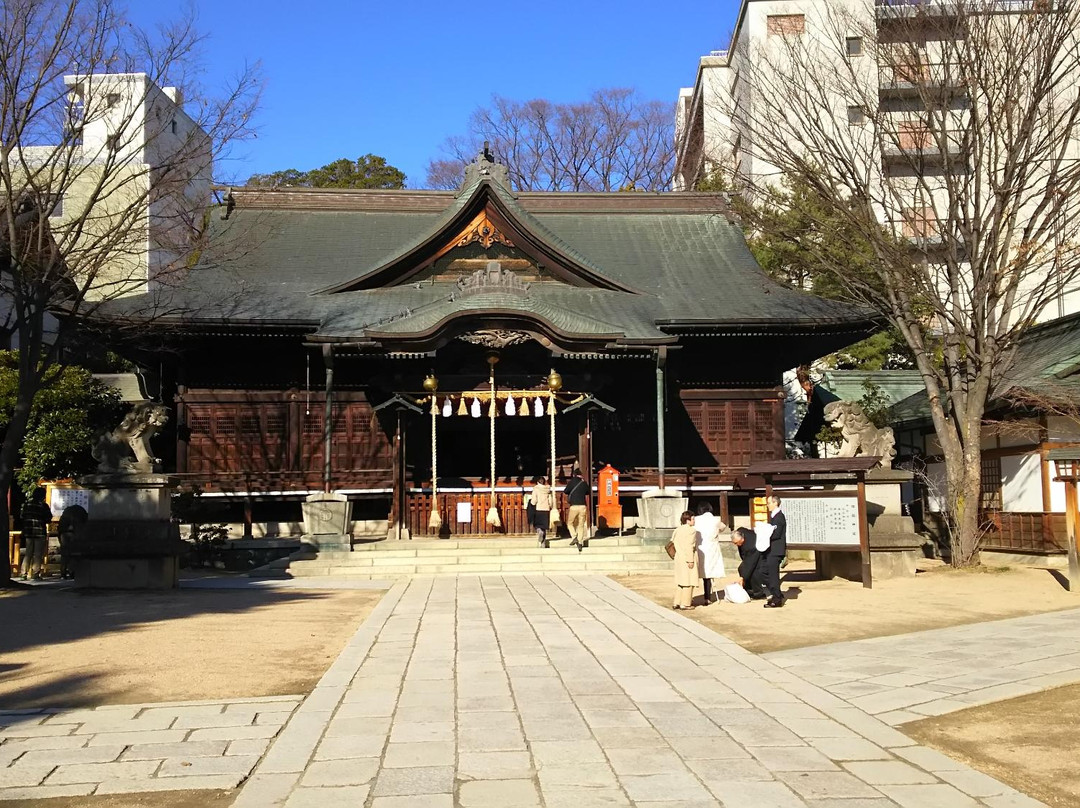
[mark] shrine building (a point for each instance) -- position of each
(420, 349)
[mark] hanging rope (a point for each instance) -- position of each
(551, 414)
(493, 512)
(435, 520)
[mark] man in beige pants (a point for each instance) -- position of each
(577, 515)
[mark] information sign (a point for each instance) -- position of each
(822, 520)
(464, 512)
(61, 498)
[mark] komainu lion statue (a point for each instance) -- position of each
(113, 449)
(859, 434)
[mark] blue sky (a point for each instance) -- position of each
(394, 79)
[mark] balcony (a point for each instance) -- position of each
(919, 145)
(938, 79)
(893, 9)
(924, 232)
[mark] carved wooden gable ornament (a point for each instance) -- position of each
(483, 230)
(488, 225)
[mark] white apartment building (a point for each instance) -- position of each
(131, 163)
(890, 98)
(888, 83)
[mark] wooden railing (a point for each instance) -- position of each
(265, 482)
(681, 477)
(1017, 532)
(510, 505)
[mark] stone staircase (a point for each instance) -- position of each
(383, 559)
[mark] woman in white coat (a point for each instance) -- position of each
(710, 561)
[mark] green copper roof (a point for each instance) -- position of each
(1046, 366)
(634, 267)
(851, 385)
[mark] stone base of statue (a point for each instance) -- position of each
(130, 540)
(328, 522)
(659, 510)
(895, 547)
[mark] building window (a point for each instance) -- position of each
(920, 223)
(112, 142)
(56, 206)
(785, 24)
(856, 116)
(990, 499)
(908, 73)
(913, 135)
(853, 46)
(112, 99)
(172, 125)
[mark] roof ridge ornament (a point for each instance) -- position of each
(485, 167)
(495, 337)
(491, 279)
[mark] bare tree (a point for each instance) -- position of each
(105, 174)
(611, 142)
(943, 134)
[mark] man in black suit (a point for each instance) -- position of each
(752, 563)
(775, 555)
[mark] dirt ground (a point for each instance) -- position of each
(1027, 742)
(64, 648)
(819, 612)
(163, 799)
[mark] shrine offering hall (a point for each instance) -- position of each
(426, 349)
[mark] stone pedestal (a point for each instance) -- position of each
(659, 510)
(895, 547)
(130, 540)
(328, 521)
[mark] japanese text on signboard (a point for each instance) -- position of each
(822, 520)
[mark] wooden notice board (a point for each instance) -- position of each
(827, 521)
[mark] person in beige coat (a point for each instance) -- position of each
(687, 575)
(543, 499)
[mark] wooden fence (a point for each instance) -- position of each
(510, 506)
(1016, 532)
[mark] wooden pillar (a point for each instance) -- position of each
(1071, 524)
(864, 536)
(294, 435)
(183, 435)
(586, 462)
(247, 518)
(328, 418)
(397, 475)
(661, 356)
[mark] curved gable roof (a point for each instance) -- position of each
(529, 234)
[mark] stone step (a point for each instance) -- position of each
(406, 570)
(507, 555)
(316, 568)
(492, 552)
(383, 545)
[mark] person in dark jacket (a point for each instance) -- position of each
(751, 564)
(73, 517)
(577, 514)
(36, 516)
(775, 555)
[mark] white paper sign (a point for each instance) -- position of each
(61, 498)
(824, 520)
(464, 512)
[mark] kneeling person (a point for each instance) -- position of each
(752, 564)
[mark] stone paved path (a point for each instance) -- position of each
(574, 692)
(912, 676)
(136, 747)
